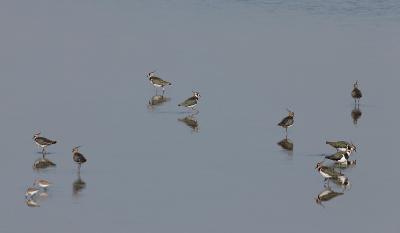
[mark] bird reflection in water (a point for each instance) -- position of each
(191, 121)
(32, 203)
(341, 181)
(43, 163)
(78, 185)
(356, 114)
(346, 165)
(326, 195)
(286, 145)
(156, 101)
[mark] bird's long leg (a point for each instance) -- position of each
(286, 132)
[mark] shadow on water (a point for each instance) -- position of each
(78, 185)
(156, 101)
(191, 122)
(356, 113)
(287, 145)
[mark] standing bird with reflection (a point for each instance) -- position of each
(327, 172)
(191, 102)
(78, 157)
(42, 142)
(356, 93)
(342, 146)
(340, 156)
(157, 81)
(31, 192)
(287, 121)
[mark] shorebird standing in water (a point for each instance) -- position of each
(356, 93)
(327, 172)
(78, 157)
(31, 192)
(342, 146)
(157, 81)
(42, 142)
(287, 121)
(191, 102)
(340, 156)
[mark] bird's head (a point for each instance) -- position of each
(196, 94)
(36, 135)
(75, 149)
(319, 165)
(151, 74)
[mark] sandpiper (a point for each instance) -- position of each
(31, 191)
(356, 93)
(327, 172)
(340, 156)
(78, 157)
(157, 82)
(191, 102)
(342, 145)
(42, 142)
(42, 183)
(287, 121)
(327, 195)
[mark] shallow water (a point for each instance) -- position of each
(76, 71)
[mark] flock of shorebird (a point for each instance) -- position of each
(40, 186)
(340, 158)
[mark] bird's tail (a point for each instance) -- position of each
(328, 142)
(179, 104)
(53, 142)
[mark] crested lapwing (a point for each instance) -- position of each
(78, 157)
(157, 81)
(342, 145)
(356, 93)
(192, 101)
(287, 121)
(340, 156)
(327, 172)
(42, 142)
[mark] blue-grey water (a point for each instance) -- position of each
(76, 71)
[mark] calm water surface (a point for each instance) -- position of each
(77, 72)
